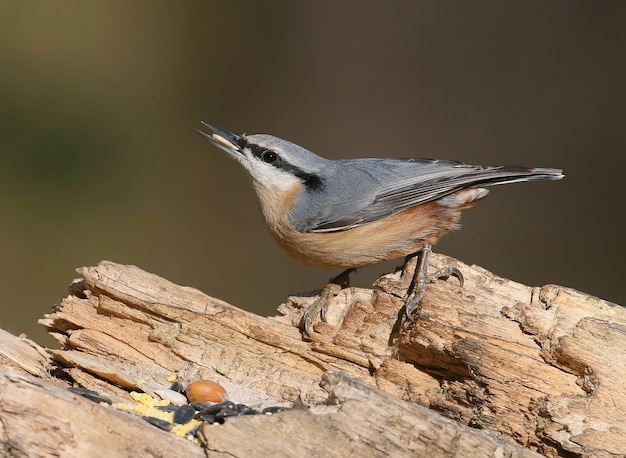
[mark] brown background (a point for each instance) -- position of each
(99, 102)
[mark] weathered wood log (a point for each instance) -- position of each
(536, 367)
(41, 418)
(360, 421)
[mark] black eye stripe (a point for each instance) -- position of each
(268, 156)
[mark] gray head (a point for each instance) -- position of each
(272, 162)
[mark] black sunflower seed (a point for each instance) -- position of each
(90, 394)
(184, 414)
(208, 418)
(178, 387)
(274, 409)
(216, 408)
(167, 408)
(164, 425)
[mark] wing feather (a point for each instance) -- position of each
(378, 188)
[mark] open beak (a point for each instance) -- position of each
(223, 139)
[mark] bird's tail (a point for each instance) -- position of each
(492, 176)
(472, 186)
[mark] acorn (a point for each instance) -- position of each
(205, 391)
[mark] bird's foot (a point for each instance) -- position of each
(420, 280)
(320, 306)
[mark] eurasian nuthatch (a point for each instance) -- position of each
(357, 212)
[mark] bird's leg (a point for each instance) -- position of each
(421, 278)
(320, 306)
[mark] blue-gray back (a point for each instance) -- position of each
(354, 192)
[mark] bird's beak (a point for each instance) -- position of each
(223, 139)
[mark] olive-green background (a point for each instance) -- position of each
(99, 102)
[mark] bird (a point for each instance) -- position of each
(352, 213)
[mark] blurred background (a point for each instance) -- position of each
(99, 102)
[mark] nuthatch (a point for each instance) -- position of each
(357, 212)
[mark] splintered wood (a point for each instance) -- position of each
(513, 368)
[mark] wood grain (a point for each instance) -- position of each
(514, 369)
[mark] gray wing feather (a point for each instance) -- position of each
(360, 191)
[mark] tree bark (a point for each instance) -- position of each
(515, 369)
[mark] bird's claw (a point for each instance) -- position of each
(320, 305)
(420, 280)
(445, 273)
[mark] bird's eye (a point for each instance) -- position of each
(269, 156)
